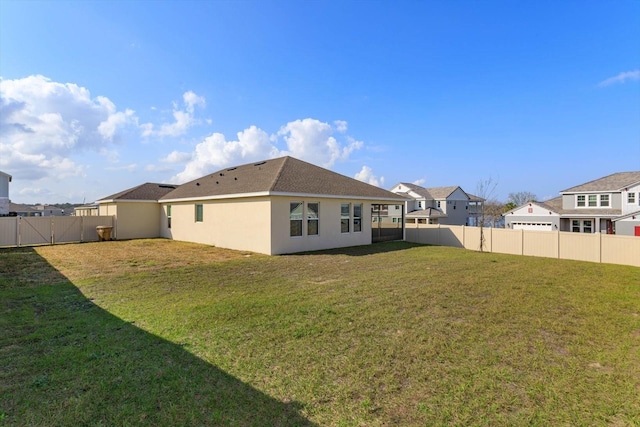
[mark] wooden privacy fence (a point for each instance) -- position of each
(596, 247)
(49, 230)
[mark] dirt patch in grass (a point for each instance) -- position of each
(105, 259)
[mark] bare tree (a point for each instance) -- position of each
(485, 190)
(521, 197)
(493, 211)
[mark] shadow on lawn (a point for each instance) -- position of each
(66, 361)
(374, 248)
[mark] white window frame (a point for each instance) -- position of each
(593, 201)
(345, 217)
(580, 225)
(357, 220)
(297, 217)
(631, 198)
(315, 218)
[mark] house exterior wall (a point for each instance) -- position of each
(329, 235)
(137, 220)
(4, 185)
(532, 213)
(627, 226)
(634, 206)
(240, 224)
(456, 207)
(133, 220)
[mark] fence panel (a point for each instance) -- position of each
(67, 229)
(621, 250)
(594, 247)
(38, 230)
(9, 231)
(579, 246)
(540, 243)
(505, 241)
(34, 230)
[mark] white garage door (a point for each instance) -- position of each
(538, 226)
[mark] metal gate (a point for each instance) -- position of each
(387, 222)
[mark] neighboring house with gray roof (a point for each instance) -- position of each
(276, 206)
(607, 205)
(136, 210)
(438, 205)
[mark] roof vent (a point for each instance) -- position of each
(259, 163)
(217, 182)
(221, 174)
(198, 184)
(166, 186)
(231, 169)
(235, 178)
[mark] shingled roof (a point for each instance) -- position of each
(435, 193)
(284, 175)
(148, 191)
(613, 182)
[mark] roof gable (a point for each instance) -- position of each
(613, 182)
(286, 175)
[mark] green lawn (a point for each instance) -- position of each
(156, 332)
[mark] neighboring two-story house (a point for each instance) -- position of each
(438, 205)
(607, 205)
(5, 179)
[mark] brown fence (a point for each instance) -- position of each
(49, 230)
(595, 247)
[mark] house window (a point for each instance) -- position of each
(581, 201)
(631, 198)
(313, 216)
(586, 226)
(168, 216)
(199, 212)
(582, 226)
(357, 218)
(419, 205)
(593, 200)
(604, 200)
(438, 203)
(295, 219)
(575, 226)
(345, 215)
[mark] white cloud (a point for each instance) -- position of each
(43, 123)
(621, 78)
(341, 125)
(366, 175)
(216, 152)
(176, 157)
(420, 182)
(183, 118)
(307, 139)
(312, 140)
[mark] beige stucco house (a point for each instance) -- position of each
(136, 210)
(276, 206)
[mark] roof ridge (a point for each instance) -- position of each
(280, 170)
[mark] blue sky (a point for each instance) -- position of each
(537, 96)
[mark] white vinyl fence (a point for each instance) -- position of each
(49, 230)
(595, 247)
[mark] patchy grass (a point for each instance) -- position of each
(156, 332)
